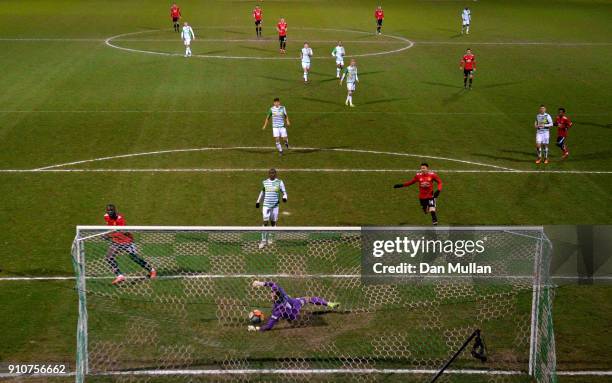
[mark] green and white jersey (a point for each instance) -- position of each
(272, 191)
(187, 33)
(278, 115)
(338, 53)
(545, 120)
(351, 74)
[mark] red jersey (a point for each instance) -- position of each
(563, 124)
(426, 181)
(282, 29)
(175, 12)
(257, 14)
(469, 62)
(379, 14)
(117, 236)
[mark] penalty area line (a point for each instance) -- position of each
(268, 149)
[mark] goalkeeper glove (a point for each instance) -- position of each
(256, 205)
(253, 328)
(436, 193)
(397, 186)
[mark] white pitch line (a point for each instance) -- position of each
(297, 170)
(45, 39)
(263, 41)
(585, 373)
(266, 148)
(109, 42)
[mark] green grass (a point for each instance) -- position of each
(65, 101)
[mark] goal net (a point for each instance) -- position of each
(189, 324)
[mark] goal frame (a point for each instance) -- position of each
(79, 263)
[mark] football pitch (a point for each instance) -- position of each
(98, 106)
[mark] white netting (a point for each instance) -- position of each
(194, 315)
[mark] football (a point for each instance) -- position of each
(256, 317)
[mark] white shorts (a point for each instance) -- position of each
(270, 213)
(279, 132)
(351, 86)
(187, 42)
(542, 136)
(340, 62)
(305, 65)
(466, 23)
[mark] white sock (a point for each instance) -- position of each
(337, 72)
(467, 30)
(350, 98)
(305, 76)
(279, 147)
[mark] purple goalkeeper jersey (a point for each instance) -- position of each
(284, 307)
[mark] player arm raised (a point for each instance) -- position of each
(397, 186)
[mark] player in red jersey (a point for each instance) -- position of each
(258, 17)
(563, 123)
(468, 64)
(175, 14)
(281, 27)
(427, 195)
(122, 242)
(379, 15)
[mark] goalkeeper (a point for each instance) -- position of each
(285, 307)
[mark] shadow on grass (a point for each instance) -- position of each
(455, 96)
(255, 48)
(384, 100)
(442, 84)
(235, 32)
(595, 124)
(319, 100)
(330, 79)
(370, 72)
(601, 155)
(275, 78)
(214, 52)
(520, 156)
(487, 86)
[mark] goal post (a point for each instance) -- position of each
(191, 320)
